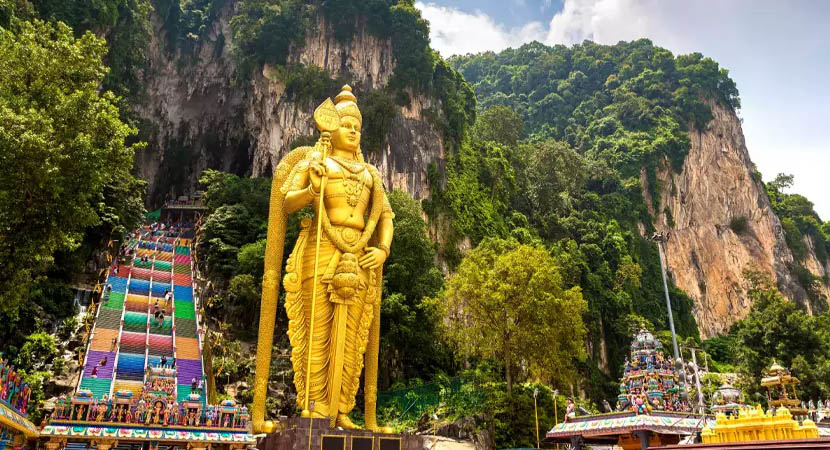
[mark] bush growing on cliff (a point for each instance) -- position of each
(739, 224)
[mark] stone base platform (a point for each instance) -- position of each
(293, 434)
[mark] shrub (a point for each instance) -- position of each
(739, 224)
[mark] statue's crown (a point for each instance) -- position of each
(346, 103)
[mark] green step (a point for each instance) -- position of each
(181, 268)
(135, 322)
(115, 301)
(184, 310)
(142, 265)
(166, 329)
(182, 250)
(183, 390)
(98, 386)
(164, 266)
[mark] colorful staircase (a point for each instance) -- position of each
(127, 315)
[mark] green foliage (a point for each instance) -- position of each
(63, 151)
(67, 328)
(499, 124)
(378, 109)
(410, 346)
(777, 329)
(739, 224)
(580, 206)
(307, 85)
(628, 103)
(264, 30)
(36, 380)
(251, 258)
(505, 301)
(37, 352)
(124, 22)
(188, 21)
(801, 224)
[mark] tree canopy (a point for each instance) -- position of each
(508, 301)
(64, 158)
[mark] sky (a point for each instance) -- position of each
(778, 53)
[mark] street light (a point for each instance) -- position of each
(660, 238)
(536, 413)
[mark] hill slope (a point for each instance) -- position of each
(670, 124)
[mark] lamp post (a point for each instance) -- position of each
(660, 238)
(536, 413)
(555, 412)
(434, 431)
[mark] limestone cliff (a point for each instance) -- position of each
(707, 256)
(196, 114)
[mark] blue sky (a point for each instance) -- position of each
(777, 52)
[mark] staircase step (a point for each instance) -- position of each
(102, 339)
(114, 300)
(184, 310)
(185, 328)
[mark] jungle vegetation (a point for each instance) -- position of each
(546, 147)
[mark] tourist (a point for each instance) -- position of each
(103, 362)
(173, 364)
(94, 373)
(201, 386)
(193, 385)
(163, 361)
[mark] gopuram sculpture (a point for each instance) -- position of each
(333, 276)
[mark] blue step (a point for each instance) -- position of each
(183, 293)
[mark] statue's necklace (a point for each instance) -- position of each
(352, 179)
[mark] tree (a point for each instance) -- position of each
(37, 352)
(777, 329)
(500, 124)
(61, 145)
(409, 343)
(507, 301)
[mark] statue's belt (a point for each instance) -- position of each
(349, 234)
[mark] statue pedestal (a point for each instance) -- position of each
(293, 435)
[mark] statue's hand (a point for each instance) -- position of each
(373, 258)
(316, 171)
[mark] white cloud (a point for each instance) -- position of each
(454, 32)
(775, 51)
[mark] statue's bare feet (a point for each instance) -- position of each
(344, 422)
(316, 414)
(382, 429)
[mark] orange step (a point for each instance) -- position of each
(102, 340)
(187, 348)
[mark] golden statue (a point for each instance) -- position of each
(333, 276)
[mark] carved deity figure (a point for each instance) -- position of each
(333, 275)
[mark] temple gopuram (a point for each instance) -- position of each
(652, 409)
(143, 383)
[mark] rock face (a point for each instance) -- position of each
(705, 255)
(197, 114)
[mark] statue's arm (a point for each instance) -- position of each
(300, 193)
(385, 228)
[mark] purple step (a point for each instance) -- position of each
(93, 358)
(187, 369)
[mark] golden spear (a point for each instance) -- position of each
(327, 120)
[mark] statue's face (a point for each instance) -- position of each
(347, 137)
